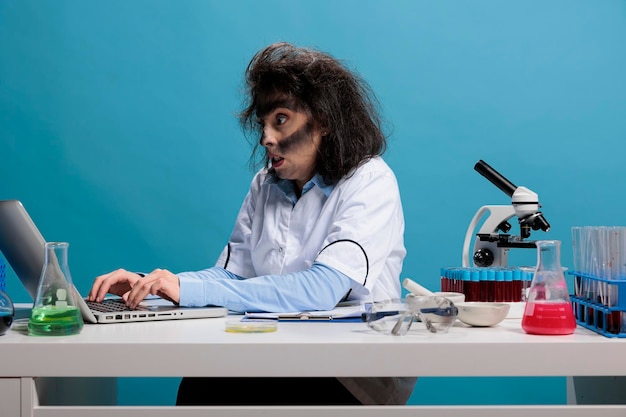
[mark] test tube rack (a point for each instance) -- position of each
(488, 284)
(600, 304)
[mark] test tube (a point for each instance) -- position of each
(491, 285)
(498, 293)
(444, 280)
(527, 279)
(508, 285)
(474, 292)
(517, 285)
(484, 285)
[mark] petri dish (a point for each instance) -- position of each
(251, 326)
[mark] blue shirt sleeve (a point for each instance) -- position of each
(318, 288)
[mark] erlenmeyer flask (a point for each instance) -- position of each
(55, 312)
(548, 309)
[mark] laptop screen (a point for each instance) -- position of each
(21, 244)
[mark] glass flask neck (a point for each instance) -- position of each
(548, 255)
(57, 251)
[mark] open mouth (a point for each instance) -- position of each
(277, 161)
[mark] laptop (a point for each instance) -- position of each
(23, 247)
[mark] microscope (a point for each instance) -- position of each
(492, 241)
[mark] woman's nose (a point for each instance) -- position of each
(267, 138)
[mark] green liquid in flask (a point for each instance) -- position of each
(55, 321)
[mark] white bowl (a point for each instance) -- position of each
(482, 314)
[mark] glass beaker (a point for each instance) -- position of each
(548, 309)
(55, 312)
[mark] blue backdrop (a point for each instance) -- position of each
(118, 128)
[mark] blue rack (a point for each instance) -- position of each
(2, 275)
(593, 311)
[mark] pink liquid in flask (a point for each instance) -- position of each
(549, 318)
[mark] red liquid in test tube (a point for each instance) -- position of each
(498, 293)
(443, 280)
(473, 293)
(491, 285)
(508, 285)
(517, 285)
(484, 285)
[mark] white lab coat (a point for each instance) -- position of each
(358, 230)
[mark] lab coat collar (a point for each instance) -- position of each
(286, 186)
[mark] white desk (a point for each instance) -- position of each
(202, 348)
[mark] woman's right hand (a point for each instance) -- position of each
(133, 288)
(118, 282)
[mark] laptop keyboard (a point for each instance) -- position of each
(108, 306)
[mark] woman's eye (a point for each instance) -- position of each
(281, 119)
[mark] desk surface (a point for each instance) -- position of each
(201, 347)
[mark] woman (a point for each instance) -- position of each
(322, 222)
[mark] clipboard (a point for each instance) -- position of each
(309, 316)
(339, 316)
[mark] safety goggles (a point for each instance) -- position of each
(395, 317)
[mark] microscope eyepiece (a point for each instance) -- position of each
(495, 177)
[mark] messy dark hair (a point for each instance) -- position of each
(337, 99)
